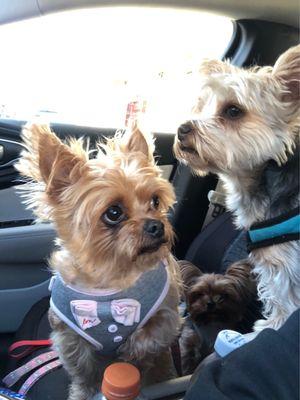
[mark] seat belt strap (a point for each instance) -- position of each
(217, 204)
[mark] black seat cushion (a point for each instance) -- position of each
(218, 245)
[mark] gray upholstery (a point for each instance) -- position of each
(23, 261)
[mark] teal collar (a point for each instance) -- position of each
(283, 228)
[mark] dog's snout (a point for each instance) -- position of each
(184, 129)
(210, 305)
(154, 228)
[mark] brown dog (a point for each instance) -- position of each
(214, 302)
(110, 214)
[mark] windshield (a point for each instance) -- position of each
(99, 67)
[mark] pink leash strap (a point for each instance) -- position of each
(13, 377)
(39, 374)
(22, 348)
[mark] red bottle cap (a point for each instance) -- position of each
(121, 381)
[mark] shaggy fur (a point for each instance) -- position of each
(214, 302)
(245, 128)
(75, 192)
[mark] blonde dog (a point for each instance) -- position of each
(245, 129)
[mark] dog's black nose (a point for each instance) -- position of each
(183, 130)
(154, 228)
(210, 305)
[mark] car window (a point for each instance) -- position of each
(101, 67)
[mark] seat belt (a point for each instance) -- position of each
(217, 204)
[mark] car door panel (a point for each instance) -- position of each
(23, 270)
(12, 209)
(10, 147)
(15, 303)
(26, 244)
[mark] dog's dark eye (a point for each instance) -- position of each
(113, 215)
(155, 202)
(233, 112)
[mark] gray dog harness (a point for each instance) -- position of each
(106, 318)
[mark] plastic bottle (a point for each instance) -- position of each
(227, 341)
(121, 381)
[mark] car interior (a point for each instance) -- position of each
(204, 230)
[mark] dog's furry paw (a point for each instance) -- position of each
(79, 392)
(191, 350)
(272, 323)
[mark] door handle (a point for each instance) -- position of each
(9, 152)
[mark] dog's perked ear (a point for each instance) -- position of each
(189, 273)
(209, 67)
(287, 70)
(136, 141)
(48, 160)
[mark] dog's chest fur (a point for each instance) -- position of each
(265, 194)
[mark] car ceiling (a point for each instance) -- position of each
(286, 11)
